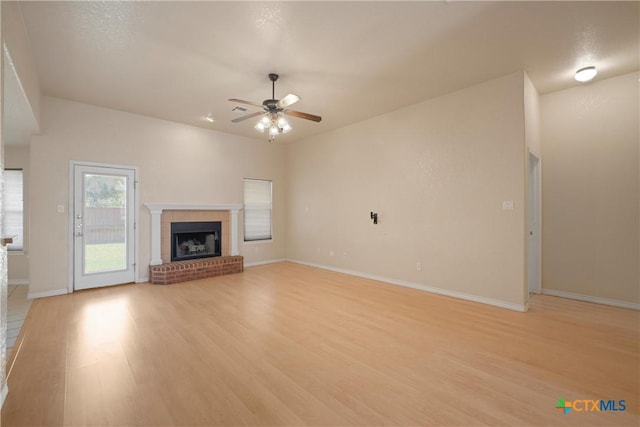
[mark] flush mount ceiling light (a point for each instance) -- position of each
(586, 74)
(273, 112)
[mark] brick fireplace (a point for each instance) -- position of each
(163, 271)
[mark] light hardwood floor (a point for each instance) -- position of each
(17, 308)
(286, 344)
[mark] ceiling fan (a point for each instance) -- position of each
(272, 119)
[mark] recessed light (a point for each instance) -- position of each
(586, 74)
(210, 118)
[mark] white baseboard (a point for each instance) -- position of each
(142, 279)
(4, 393)
(44, 294)
(269, 261)
(589, 298)
(18, 281)
(421, 287)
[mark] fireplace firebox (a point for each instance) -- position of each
(193, 240)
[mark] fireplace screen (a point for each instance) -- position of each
(193, 240)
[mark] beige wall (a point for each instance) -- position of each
(591, 189)
(437, 174)
(17, 157)
(177, 164)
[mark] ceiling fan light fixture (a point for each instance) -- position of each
(586, 74)
(273, 111)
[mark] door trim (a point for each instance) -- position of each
(534, 214)
(70, 208)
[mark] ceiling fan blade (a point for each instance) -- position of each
(248, 116)
(241, 101)
(287, 100)
(302, 115)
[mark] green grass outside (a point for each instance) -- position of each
(105, 257)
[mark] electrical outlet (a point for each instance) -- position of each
(60, 208)
(418, 266)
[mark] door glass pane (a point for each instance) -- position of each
(105, 223)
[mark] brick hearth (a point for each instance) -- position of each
(181, 271)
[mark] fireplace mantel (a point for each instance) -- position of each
(156, 212)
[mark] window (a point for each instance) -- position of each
(257, 210)
(13, 208)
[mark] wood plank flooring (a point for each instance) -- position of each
(286, 344)
(17, 308)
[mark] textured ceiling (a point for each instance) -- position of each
(348, 61)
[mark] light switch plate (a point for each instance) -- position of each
(507, 205)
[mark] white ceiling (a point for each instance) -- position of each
(348, 61)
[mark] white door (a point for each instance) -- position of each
(535, 211)
(103, 226)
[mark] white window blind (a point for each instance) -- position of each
(257, 210)
(13, 208)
